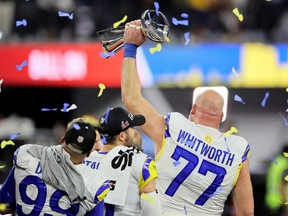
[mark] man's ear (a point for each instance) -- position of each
(193, 109)
(122, 136)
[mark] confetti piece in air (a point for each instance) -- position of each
(116, 24)
(21, 22)
(102, 87)
(1, 35)
(285, 154)
(23, 64)
(273, 159)
(263, 103)
(107, 114)
(65, 14)
(238, 99)
(2, 166)
(187, 38)
(176, 163)
(1, 81)
(167, 39)
(107, 55)
(236, 74)
(218, 190)
(236, 12)
(2, 206)
(72, 107)
(148, 198)
(76, 126)
(208, 139)
(286, 89)
(4, 143)
(157, 48)
(179, 22)
(284, 119)
(156, 4)
(287, 108)
(13, 136)
(231, 131)
(48, 109)
(286, 178)
(184, 15)
(65, 106)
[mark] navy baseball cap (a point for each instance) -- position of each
(117, 119)
(80, 137)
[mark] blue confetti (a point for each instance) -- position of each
(21, 22)
(285, 120)
(179, 22)
(238, 99)
(76, 126)
(19, 67)
(65, 106)
(107, 55)
(48, 109)
(64, 14)
(156, 4)
(187, 38)
(13, 136)
(184, 15)
(176, 163)
(263, 103)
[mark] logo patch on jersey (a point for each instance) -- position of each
(80, 139)
(208, 139)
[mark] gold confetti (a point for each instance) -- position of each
(146, 197)
(156, 49)
(102, 87)
(285, 154)
(208, 139)
(229, 132)
(2, 166)
(236, 12)
(286, 178)
(2, 206)
(167, 39)
(4, 143)
(116, 24)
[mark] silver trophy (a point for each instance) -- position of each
(153, 23)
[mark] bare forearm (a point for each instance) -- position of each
(130, 82)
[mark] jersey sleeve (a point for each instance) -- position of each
(148, 172)
(246, 153)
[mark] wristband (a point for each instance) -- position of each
(130, 50)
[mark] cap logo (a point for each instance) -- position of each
(124, 124)
(80, 139)
(102, 120)
(130, 116)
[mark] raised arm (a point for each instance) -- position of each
(243, 194)
(131, 86)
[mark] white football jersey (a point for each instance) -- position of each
(35, 197)
(142, 172)
(197, 167)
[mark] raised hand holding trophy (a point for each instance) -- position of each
(153, 23)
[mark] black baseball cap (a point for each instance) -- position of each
(117, 119)
(80, 137)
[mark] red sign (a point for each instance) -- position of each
(58, 64)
